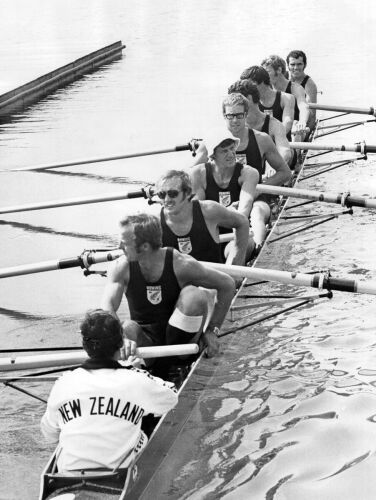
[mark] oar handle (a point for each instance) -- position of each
(167, 350)
(78, 357)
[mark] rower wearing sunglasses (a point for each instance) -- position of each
(192, 226)
(166, 291)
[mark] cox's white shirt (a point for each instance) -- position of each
(96, 414)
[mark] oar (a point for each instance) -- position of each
(142, 193)
(85, 260)
(362, 148)
(317, 280)
(343, 109)
(312, 280)
(78, 357)
(192, 146)
(344, 199)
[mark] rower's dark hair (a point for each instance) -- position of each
(185, 180)
(275, 62)
(147, 229)
(296, 54)
(256, 74)
(235, 98)
(246, 88)
(102, 334)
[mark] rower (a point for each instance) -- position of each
(257, 120)
(274, 102)
(296, 63)
(222, 167)
(95, 411)
(193, 226)
(161, 285)
(276, 67)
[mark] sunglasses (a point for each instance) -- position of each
(231, 116)
(172, 193)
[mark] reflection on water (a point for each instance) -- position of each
(291, 410)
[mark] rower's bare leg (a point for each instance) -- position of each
(259, 217)
(188, 319)
(229, 249)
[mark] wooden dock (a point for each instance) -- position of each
(31, 92)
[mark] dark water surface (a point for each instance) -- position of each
(291, 413)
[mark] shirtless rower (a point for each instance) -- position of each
(258, 120)
(91, 406)
(274, 102)
(276, 67)
(193, 226)
(224, 170)
(296, 64)
(161, 285)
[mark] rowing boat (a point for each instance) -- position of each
(133, 481)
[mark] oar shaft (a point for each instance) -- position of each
(298, 279)
(83, 260)
(73, 201)
(85, 161)
(357, 148)
(78, 357)
(342, 109)
(337, 198)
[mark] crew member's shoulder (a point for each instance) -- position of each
(263, 139)
(276, 126)
(119, 266)
(249, 172)
(310, 86)
(198, 169)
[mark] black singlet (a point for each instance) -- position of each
(265, 127)
(198, 242)
(227, 195)
(276, 108)
(253, 155)
(296, 109)
(152, 302)
(304, 81)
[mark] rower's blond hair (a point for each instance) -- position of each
(235, 99)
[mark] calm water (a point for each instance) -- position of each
(295, 416)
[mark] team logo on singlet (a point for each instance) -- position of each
(185, 245)
(225, 198)
(268, 112)
(241, 158)
(154, 294)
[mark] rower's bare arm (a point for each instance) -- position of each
(117, 278)
(198, 180)
(302, 104)
(311, 90)
(280, 139)
(201, 155)
(219, 215)
(288, 103)
(282, 173)
(248, 180)
(191, 272)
